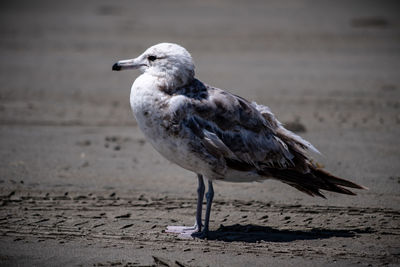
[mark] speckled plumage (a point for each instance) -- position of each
(214, 133)
(220, 135)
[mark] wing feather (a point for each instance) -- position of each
(230, 132)
(233, 128)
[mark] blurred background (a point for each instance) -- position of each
(328, 69)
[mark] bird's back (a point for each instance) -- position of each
(224, 137)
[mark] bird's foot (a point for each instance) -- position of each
(182, 229)
(201, 235)
(187, 232)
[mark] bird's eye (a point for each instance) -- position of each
(151, 58)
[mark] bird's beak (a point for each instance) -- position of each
(134, 63)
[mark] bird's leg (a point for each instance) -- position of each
(209, 198)
(200, 195)
(188, 230)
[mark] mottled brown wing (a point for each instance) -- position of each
(231, 127)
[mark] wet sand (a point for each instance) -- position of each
(79, 184)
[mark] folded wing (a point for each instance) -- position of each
(247, 137)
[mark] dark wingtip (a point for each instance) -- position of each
(116, 67)
(336, 180)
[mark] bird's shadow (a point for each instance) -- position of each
(253, 233)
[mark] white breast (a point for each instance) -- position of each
(146, 100)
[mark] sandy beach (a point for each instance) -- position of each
(81, 186)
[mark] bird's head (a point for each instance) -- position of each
(169, 62)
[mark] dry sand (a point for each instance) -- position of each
(79, 185)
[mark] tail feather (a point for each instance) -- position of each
(311, 192)
(312, 182)
(336, 180)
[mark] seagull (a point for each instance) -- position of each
(215, 134)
